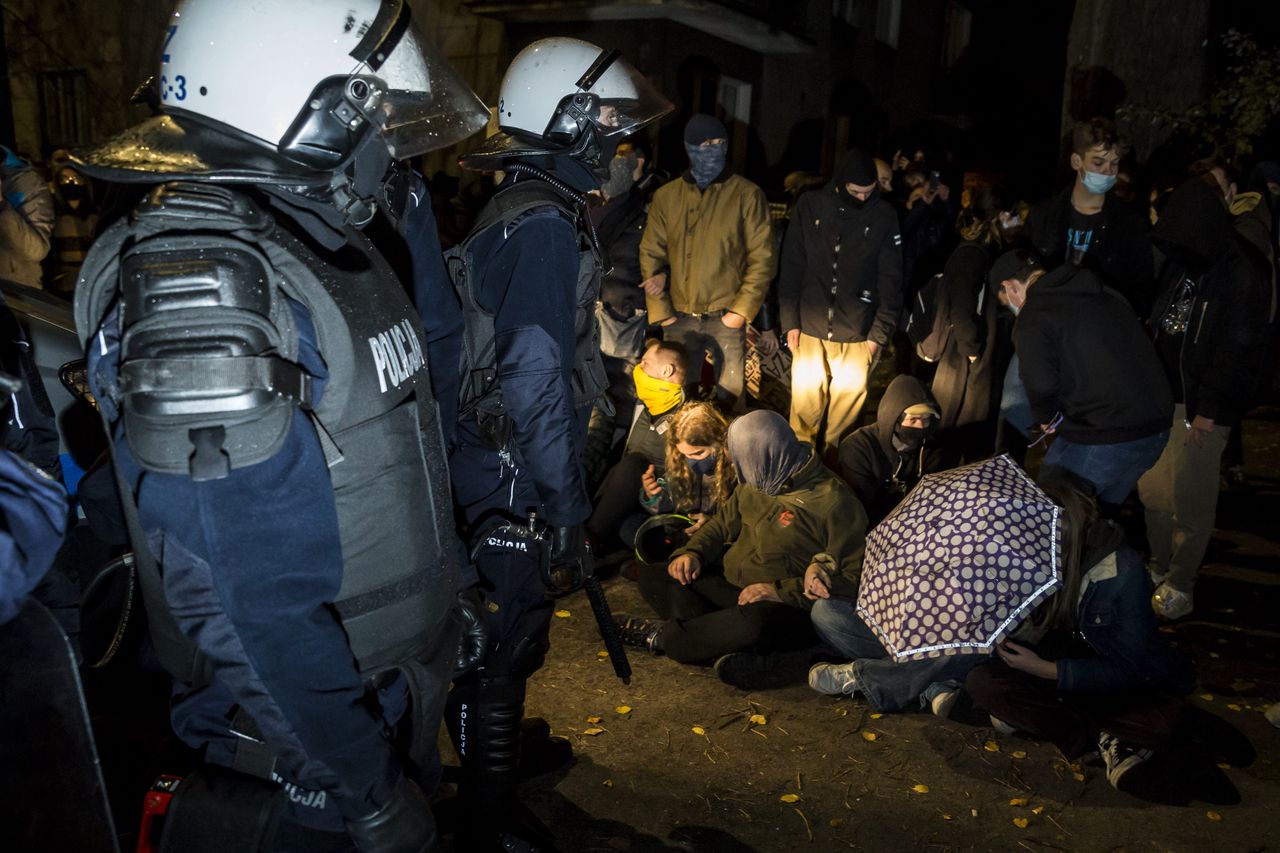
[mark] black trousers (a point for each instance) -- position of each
(617, 499)
(1141, 718)
(704, 621)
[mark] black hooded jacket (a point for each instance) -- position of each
(1082, 353)
(871, 463)
(840, 277)
(1119, 251)
(1214, 365)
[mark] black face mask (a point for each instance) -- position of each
(73, 192)
(702, 467)
(853, 201)
(911, 438)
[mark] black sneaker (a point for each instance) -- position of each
(638, 632)
(748, 671)
(1121, 761)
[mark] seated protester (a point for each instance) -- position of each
(659, 386)
(884, 460)
(1089, 670)
(737, 590)
(1092, 377)
(699, 473)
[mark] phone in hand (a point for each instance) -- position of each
(934, 177)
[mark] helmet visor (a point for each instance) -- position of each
(416, 99)
(628, 101)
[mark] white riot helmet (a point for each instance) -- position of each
(568, 96)
(285, 90)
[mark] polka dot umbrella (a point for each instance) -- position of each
(965, 557)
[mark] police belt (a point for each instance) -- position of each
(249, 372)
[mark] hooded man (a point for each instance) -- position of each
(883, 461)
(707, 256)
(839, 296)
(743, 585)
(1210, 321)
(26, 220)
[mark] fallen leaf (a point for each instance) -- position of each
(698, 730)
(1079, 777)
(1233, 707)
(973, 812)
(842, 712)
(608, 783)
(758, 719)
(991, 746)
(1018, 801)
(790, 798)
(623, 709)
(1208, 697)
(593, 720)
(1019, 754)
(562, 614)
(1224, 766)
(1214, 655)
(836, 822)
(1213, 816)
(602, 654)
(946, 817)
(876, 716)
(868, 735)
(593, 731)
(920, 789)
(1037, 810)
(1020, 822)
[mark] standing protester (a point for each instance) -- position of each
(1082, 226)
(26, 220)
(292, 526)
(1210, 322)
(75, 225)
(839, 296)
(707, 257)
(528, 278)
(1092, 377)
(971, 335)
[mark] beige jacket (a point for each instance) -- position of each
(716, 246)
(26, 223)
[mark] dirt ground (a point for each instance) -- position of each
(675, 762)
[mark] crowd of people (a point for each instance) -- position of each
(454, 433)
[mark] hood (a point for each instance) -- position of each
(903, 393)
(1194, 228)
(1065, 280)
(765, 451)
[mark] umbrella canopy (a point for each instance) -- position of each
(965, 557)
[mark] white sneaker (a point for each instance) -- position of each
(1170, 603)
(1001, 726)
(941, 696)
(833, 679)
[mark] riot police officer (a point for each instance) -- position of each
(528, 280)
(277, 444)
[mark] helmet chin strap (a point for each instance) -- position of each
(354, 189)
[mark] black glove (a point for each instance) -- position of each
(568, 544)
(403, 825)
(474, 641)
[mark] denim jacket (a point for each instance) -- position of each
(1115, 620)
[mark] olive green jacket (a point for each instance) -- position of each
(716, 246)
(757, 538)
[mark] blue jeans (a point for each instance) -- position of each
(1113, 469)
(888, 685)
(1015, 408)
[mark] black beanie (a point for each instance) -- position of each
(856, 168)
(703, 127)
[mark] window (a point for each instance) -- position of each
(64, 108)
(888, 21)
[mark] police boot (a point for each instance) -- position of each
(484, 723)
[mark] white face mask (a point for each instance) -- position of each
(1098, 183)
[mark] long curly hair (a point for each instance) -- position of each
(701, 425)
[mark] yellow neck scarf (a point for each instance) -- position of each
(658, 395)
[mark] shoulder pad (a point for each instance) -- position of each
(180, 203)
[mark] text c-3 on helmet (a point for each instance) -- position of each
(567, 96)
(285, 92)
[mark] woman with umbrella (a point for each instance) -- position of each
(1089, 670)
